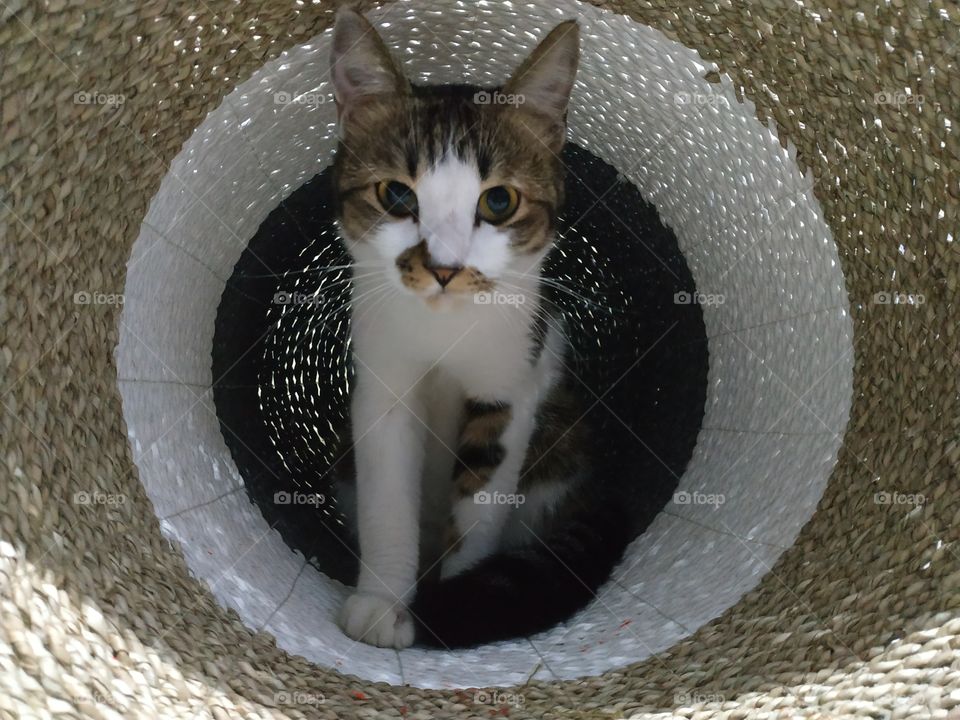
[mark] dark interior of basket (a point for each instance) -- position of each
(282, 362)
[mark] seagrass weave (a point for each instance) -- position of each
(142, 143)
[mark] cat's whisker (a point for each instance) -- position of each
(315, 300)
(320, 290)
(549, 280)
(351, 279)
(357, 300)
(348, 303)
(561, 287)
(310, 271)
(540, 296)
(552, 322)
(539, 312)
(383, 301)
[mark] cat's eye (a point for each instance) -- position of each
(498, 204)
(397, 198)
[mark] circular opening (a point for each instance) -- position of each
(779, 381)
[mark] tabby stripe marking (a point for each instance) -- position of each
(480, 451)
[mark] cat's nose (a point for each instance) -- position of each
(444, 274)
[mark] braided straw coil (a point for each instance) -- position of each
(101, 616)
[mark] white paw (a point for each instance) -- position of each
(377, 620)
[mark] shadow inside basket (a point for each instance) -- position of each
(282, 369)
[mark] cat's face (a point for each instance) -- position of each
(449, 195)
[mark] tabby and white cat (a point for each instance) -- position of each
(468, 452)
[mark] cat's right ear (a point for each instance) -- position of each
(545, 79)
(360, 63)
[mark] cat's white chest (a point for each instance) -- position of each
(483, 347)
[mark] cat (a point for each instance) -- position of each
(470, 459)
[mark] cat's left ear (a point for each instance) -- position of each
(545, 79)
(360, 63)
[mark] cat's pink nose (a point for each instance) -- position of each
(444, 274)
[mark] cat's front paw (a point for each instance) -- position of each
(377, 620)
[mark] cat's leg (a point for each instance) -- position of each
(445, 407)
(490, 453)
(389, 442)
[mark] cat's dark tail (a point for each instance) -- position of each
(523, 591)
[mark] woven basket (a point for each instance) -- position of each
(826, 588)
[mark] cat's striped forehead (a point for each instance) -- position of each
(406, 136)
(443, 125)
